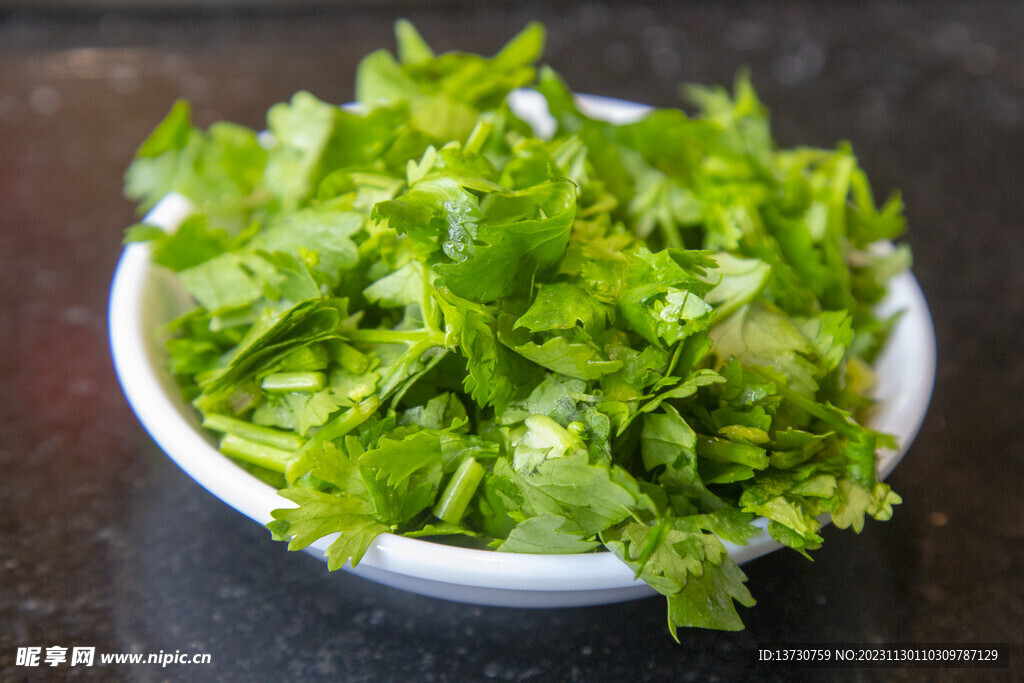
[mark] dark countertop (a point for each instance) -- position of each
(105, 543)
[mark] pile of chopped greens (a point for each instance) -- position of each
(418, 317)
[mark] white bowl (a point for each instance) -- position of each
(144, 297)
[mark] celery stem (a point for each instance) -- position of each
(268, 436)
(459, 491)
(256, 453)
(393, 336)
(283, 382)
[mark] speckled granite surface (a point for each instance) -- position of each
(105, 543)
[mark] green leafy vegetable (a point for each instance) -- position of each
(420, 317)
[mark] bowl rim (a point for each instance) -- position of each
(173, 424)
